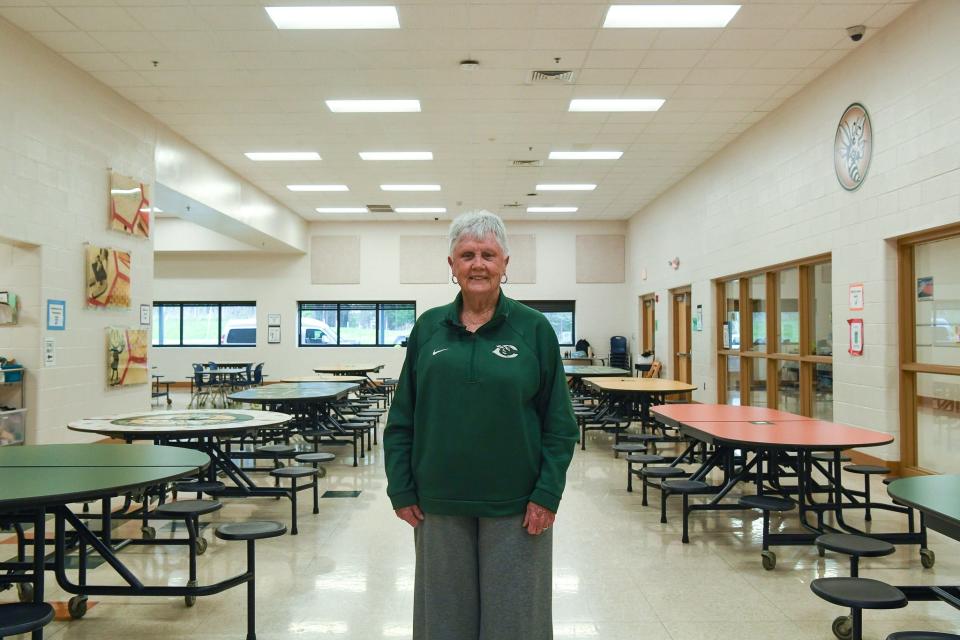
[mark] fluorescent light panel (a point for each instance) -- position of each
(282, 156)
(342, 210)
(410, 187)
(374, 106)
(585, 155)
(669, 16)
(318, 187)
(566, 187)
(396, 155)
(368, 17)
(616, 104)
(552, 209)
(420, 209)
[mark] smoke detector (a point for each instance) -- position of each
(469, 65)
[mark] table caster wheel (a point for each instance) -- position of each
(77, 607)
(201, 545)
(927, 558)
(768, 559)
(149, 533)
(25, 591)
(843, 628)
(190, 600)
(821, 551)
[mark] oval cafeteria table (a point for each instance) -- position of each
(783, 440)
(576, 373)
(320, 377)
(353, 369)
(36, 480)
(638, 391)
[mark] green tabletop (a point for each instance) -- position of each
(938, 497)
(295, 392)
(100, 455)
(579, 371)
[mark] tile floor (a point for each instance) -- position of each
(618, 572)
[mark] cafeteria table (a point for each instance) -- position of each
(633, 392)
(783, 442)
(353, 369)
(325, 378)
(40, 480)
(576, 373)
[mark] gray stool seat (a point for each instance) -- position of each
(188, 507)
(827, 456)
(644, 458)
(854, 545)
(298, 471)
(315, 458)
(639, 437)
(866, 469)
(862, 593)
(767, 503)
(685, 486)
(277, 449)
(200, 487)
(663, 472)
(16, 618)
(629, 447)
(922, 635)
(252, 530)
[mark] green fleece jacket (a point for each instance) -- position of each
(481, 423)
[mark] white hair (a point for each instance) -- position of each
(477, 225)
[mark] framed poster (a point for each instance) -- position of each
(56, 315)
(126, 356)
(273, 335)
(273, 319)
(925, 288)
(129, 206)
(856, 297)
(856, 336)
(107, 277)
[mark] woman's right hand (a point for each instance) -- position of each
(411, 515)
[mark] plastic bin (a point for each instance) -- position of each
(12, 426)
(11, 373)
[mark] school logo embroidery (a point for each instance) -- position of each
(506, 351)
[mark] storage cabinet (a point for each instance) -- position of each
(13, 412)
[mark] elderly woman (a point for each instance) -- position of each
(477, 443)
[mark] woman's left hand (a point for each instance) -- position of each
(537, 519)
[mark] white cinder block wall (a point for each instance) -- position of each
(278, 282)
(60, 132)
(772, 196)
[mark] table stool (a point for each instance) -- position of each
(922, 635)
(251, 532)
(628, 447)
(190, 511)
(293, 473)
(26, 617)
(199, 487)
(658, 472)
(858, 594)
(867, 470)
(639, 458)
(854, 546)
(316, 459)
(766, 504)
(685, 488)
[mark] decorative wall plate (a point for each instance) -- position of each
(853, 146)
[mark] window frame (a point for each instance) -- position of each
(378, 309)
(161, 304)
(543, 306)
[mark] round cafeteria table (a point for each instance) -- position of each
(325, 378)
(638, 390)
(577, 372)
(352, 369)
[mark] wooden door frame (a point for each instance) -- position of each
(674, 338)
(643, 323)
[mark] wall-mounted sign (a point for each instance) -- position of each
(145, 314)
(856, 336)
(853, 146)
(273, 335)
(856, 297)
(49, 352)
(56, 315)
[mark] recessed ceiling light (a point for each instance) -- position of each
(552, 209)
(585, 155)
(566, 187)
(669, 16)
(420, 209)
(616, 104)
(334, 17)
(282, 156)
(374, 106)
(410, 187)
(318, 187)
(396, 155)
(342, 210)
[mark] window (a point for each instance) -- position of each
(204, 324)
(355, 324)
(560, 314)
(782, 357)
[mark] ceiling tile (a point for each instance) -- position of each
(68, 41)
(100, 18)
(36, 19)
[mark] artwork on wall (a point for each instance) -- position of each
(126, 356)
(129, 205)
(853, 146)
(925, 288)
(107, 276)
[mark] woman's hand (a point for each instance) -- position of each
(411, 515)
(537, 519)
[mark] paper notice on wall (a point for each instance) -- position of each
(49, 352)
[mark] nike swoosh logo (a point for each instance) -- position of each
(436, 351)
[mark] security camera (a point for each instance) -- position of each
(856, 32)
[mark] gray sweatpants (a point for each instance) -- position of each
(482, 579)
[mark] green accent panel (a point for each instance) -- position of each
(937, 494)
(100, 455)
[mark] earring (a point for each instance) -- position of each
(453, 279)
(504, 279)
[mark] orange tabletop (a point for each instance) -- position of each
(639, 385)
(787, 434)
(676, 414)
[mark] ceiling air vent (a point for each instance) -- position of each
(513, 205)
(379, 208)
(550, 76)
(526, 163)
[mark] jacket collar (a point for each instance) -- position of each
(500, 314)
